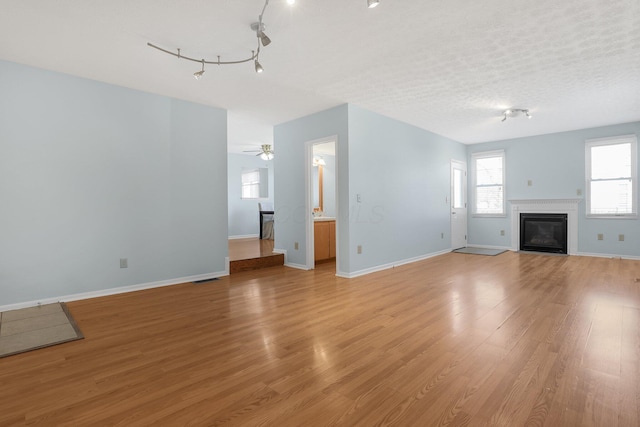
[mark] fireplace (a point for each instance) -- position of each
(543, 232)
(546, 206)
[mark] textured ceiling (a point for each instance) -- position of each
(449, 67)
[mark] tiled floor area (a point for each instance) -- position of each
(35, 327)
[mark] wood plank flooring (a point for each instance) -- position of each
(511, 340)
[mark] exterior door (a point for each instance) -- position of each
(458, 204)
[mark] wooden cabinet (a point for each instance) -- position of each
(324, 240)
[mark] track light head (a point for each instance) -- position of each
(264, 39)
(259, 68)
(372, 3)
(199, 74)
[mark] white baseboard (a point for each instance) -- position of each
(391, 265)
(115, 291)
(298, 266)
(614, 256)
(244, 236)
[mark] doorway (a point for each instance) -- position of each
(322, 206)
(458, 204)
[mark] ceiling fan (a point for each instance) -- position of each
(265, 152)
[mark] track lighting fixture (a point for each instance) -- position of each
(263, 41)
(515, 112)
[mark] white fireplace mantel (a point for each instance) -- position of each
(562, 206)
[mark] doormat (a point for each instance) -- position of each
(36, 327)
(480, 251)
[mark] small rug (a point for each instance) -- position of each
(36, 327)
(480, 251)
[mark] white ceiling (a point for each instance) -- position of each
(450, 67)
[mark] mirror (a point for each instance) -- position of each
(255, 183)
(318, 193)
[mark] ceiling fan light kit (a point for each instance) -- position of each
(265, 152)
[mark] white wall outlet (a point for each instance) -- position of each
(296, 246)
(600, 236)
(124, 263)
(529, 183)
(359, 249)
(578, 192)
(502, 232)
(620, 237)
(442, 235)
(358, 198)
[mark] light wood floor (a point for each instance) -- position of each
(511, 340)
(249, 248)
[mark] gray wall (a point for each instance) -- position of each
(555, 163)
(91, 173)
(243, 214)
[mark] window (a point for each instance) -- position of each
(250, 184)
(488, 183)
(612, 177)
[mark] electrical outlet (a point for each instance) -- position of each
(442, 235)
(358, 198)
(502, 232)
(295, 246)
(529, 183)
(620, 237)
(359, 249)
(600, 236)
(579, 192)
(124, 263)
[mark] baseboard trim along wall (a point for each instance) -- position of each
(114, 291)
(245, 236)
(297, 266)
(286, 262)
(614, 256)
(391, 265)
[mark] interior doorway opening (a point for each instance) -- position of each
(323, 223)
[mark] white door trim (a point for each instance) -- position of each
(309, 200)
(458, 164)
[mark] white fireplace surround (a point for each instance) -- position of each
(560, 206)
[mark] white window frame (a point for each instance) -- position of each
(622, 139)
(253, 186)
(484, 155)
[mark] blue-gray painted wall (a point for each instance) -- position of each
(91, 173)
(401, 173)
(555, 164)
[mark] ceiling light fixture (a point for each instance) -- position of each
(291, 1)
(319, 161)
(372, 3)
(263, 40)
(259, 68)
(199, 74)
(515, 112)
(265, 152)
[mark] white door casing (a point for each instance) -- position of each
(458, 204)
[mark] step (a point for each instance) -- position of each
(256, 263)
